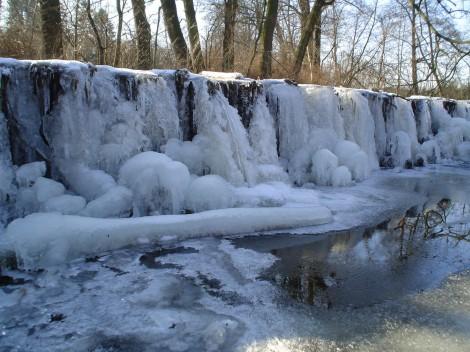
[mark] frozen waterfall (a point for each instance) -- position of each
(97, 141)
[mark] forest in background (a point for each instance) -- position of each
(406, 47)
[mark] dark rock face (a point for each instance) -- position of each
(273, 106)
(387, 106)
(419, 162)
(128, 86)
(186, 93)
(450, 106)
(45, 88)
(386, 162)
(242, 96)
(418, 106)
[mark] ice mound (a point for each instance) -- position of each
(44, 239)
(358, 163)
(300, 166)
(65, 204)
(273, 194)
(188, 153)
(324, 163)
(432, 151)
(344, 150)
(42, 194)
(45, 189)
(271, 172)
(157, 182)
(27, 174)
(209, 192)
(356, 160)
(341, 177)
(87, 182)
(115, 203)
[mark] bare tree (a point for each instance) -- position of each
(414, 61)
(312, 22)
(144, 36)
(267, 38)
(51, 29)
(157, 32)
(117, 51)
(99, 42)
(173, 28)
(230, 13)
(196, 53)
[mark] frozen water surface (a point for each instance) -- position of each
(358, 288)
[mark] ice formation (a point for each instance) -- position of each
(61, 237)
(103, 142)
(209, 192)
(324, 164)
(158, 183)
(65, 204)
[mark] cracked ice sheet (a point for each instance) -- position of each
(207, 301)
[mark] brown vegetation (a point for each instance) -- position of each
(403, 46)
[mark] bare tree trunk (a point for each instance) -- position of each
(317, 44)
(414, 63)
(432, 64)
(304, 6)
(99, 43)
(173, 28)
(196, 53)
(155, 45)
(144, 36)
(51, 29)
(231, 7)
(381, 75)
(267, 38)
(258, 36)
(75, 31)
(306, 35)
(337, 73)
(399, 57)
(117, 52)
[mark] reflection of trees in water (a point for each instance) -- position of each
(431, 223)
(314, 273)
(308, 287)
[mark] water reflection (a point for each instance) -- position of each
(365, 266)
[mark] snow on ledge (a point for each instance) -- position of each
(222, 76)
(45, 239)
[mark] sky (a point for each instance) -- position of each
(152, 6)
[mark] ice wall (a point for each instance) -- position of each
(85, 122)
